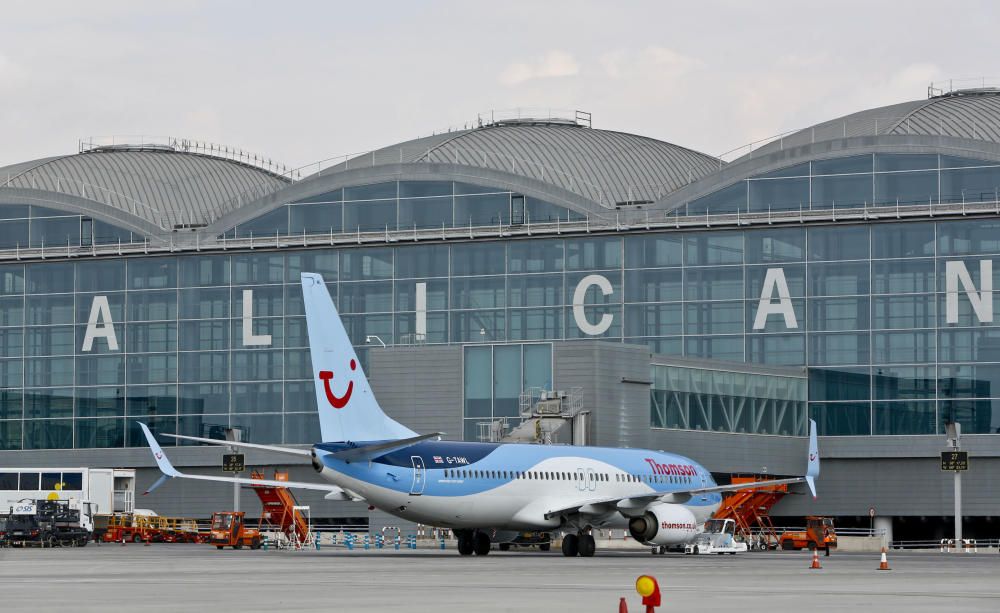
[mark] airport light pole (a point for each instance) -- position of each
(954, 433)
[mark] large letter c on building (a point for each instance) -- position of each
(580, 315)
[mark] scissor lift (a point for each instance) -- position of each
(280, 510)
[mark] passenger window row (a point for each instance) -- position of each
(461, 473)
(516, 474)
(29, 481)
(655, 478)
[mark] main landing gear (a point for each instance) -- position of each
(473, 541)
(581, 544)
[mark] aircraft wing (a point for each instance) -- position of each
(169, 472)
(221, 443)
(597, 506)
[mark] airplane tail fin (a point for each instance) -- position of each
(348, 410)
(812, 468)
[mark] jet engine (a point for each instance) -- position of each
(664, 524)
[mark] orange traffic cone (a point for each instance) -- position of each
(622, 606)
(815, 564)
(884, 564)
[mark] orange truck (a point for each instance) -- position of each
(229, 530)
(819, 534)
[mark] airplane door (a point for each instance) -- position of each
(704, 483)
(419, 475)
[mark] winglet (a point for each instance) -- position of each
(161, 458)
(812, 468)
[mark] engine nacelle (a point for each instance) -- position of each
(664, 524)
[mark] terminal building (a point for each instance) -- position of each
(668, 298)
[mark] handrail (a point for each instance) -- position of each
(185, 145)
(950, 87)
(172, 242)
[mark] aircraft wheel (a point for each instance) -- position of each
(481, 544)
(587, 545)
(504, 546)
(570, 545)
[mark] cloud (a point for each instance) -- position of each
(652, 61)
(553, 63)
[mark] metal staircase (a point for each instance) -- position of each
(750, 510)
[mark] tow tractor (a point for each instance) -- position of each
(229, 530)
(719, 536)
(819, 534)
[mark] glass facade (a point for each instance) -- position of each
(881, 179)
(403, 205)
(30, 226)
(893, 320)
(494, 376)
(721, 400)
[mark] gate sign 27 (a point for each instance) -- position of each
(233, 463)
(954, 460)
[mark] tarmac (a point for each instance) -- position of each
(173, 577)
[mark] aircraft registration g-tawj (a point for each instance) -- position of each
(482, 489)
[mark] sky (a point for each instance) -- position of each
(301, 81)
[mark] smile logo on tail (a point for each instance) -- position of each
(335, 401)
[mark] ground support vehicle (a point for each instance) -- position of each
(47, 523)
(229, 530)
(719, 536)
(126, 527)
(819, 534)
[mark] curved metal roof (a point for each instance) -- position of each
(970, 114)
(165, 188)
(606, 167)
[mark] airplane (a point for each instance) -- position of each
(481, 491)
